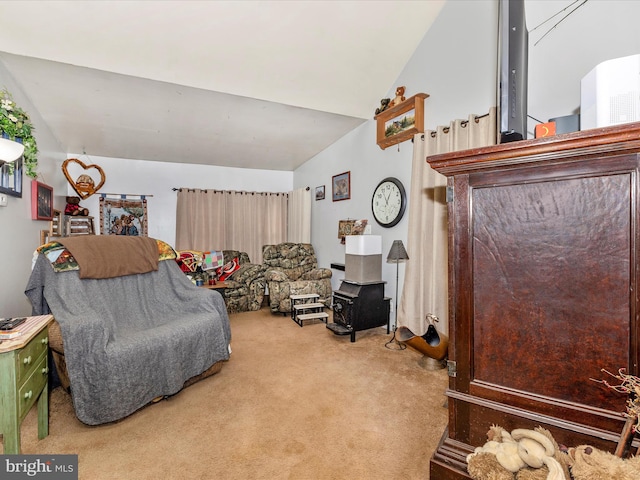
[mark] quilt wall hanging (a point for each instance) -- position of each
(350, 227)
(123, 216)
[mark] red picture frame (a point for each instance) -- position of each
(41, 201)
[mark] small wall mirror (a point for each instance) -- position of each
(11, 178)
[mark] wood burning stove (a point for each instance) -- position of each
(359, 306)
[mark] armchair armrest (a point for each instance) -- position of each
(275, 275)
(317, 274)
(247, 273)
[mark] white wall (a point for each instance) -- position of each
(599, 30)
(157, 179)
(456, 65)
(19, 235)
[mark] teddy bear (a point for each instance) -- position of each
(73, 207)
(399, 96)
(589, 463)
(521, 455)
(384, 104)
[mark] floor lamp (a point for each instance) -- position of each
(397, 254)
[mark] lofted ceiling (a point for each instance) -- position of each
(250, 84)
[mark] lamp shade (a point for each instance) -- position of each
(398, 253)
(10, 151)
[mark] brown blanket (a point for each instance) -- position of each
(108, 256)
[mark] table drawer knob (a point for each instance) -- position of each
(45, 370)
(45, 340)
(28, 395)
(27, 360)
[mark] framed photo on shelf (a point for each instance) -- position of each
(341, 187)
(55, 226)
(320, 192)
(41, 201)
(44, 236)
(400, 122)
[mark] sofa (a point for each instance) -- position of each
(129, 327)
(292, 269)
(245, 287)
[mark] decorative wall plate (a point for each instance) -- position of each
(84, 185)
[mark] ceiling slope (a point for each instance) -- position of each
(251, 84)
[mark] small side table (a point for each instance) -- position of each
(24, 373)
(215, 286)
(220, 286)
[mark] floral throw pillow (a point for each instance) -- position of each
(227, 270)
(189, 260)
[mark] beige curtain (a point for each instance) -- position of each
(299, 213)
(228, 220)
(425, 287)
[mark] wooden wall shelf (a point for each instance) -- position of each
(411, 110)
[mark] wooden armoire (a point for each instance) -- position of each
(544, 244)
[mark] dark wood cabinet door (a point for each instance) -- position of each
(543, 240)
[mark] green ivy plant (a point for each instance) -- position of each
(15, 124)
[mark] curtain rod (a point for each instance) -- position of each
(242, 192)
(228, 191)
(126, 194)
(463, 123)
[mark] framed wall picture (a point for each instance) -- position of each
(320, 192)
(341, 186)
(400, 122)
(41, 201)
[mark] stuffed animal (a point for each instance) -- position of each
(384, 104)
(399, 96)
(73, 207)
(590, 463)
(521, 455)
(540, 452)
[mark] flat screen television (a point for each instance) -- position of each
(513, 59)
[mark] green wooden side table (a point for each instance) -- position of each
(24, 373)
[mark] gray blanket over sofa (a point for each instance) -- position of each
(130, 339)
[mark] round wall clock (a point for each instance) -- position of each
(389, 202)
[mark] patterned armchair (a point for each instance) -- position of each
(246, 286)
(292, 269)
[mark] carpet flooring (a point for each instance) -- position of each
(291, 403)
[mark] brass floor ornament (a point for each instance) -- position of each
(433, 344)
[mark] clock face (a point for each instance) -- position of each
(389, 202)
